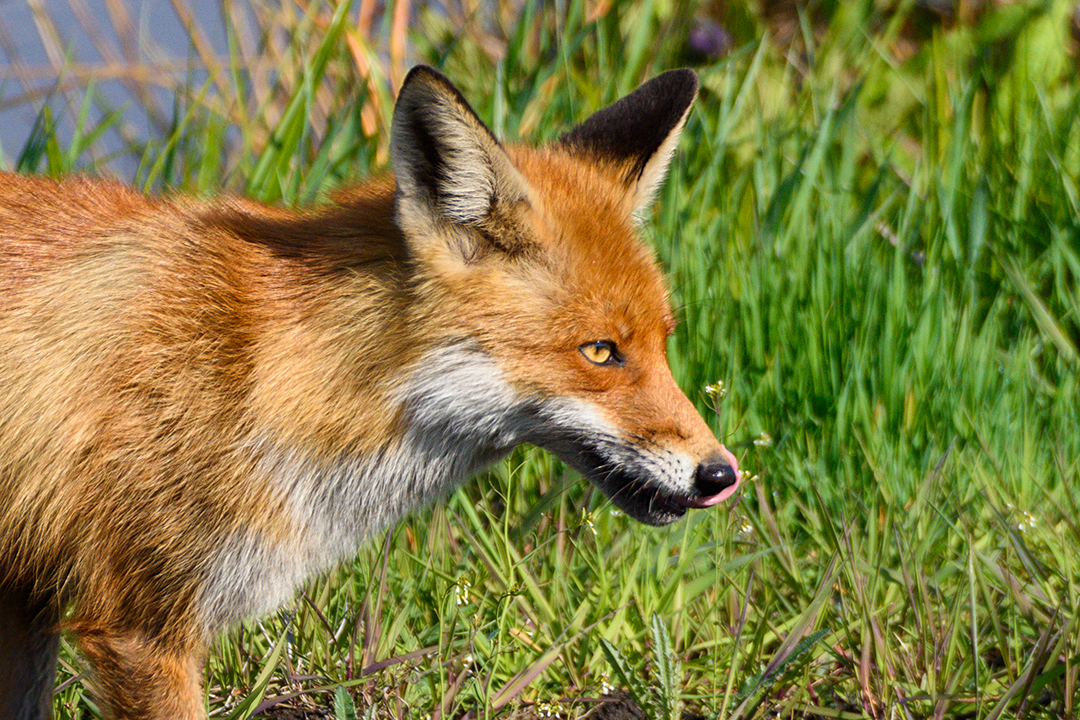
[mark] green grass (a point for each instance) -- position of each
(879, 259)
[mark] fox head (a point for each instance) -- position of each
(552, 314)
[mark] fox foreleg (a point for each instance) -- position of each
(139, 676)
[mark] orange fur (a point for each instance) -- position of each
(202, 403)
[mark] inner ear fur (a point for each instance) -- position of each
(449, 166)
(638, 133)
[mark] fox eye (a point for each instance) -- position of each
(601, 352)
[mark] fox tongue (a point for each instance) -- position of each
(730, 457)
(704, 502)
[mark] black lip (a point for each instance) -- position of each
(637, 496)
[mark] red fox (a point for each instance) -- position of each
(203, 403)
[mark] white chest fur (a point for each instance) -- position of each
(460, 415)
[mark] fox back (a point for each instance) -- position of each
(202, 403)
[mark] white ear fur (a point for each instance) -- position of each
(656, 168)
(446, 161)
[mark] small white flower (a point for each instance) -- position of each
(551, 710)
(588, 518)
(763, 440)
(462, 595)
(1027, 521)
(716, 391)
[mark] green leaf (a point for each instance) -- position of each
(344, 707)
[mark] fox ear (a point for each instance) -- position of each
(449, 167)
(638, 133)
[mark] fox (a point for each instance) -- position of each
(204, 402)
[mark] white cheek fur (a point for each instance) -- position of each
(669, 469)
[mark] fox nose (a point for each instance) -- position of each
(714, 475)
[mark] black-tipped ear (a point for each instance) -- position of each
(447, 163)
(639, 132)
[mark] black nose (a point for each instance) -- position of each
(713, 476)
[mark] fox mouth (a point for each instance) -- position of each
(642, 497)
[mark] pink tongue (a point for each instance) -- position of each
(731, 459)
(728, 491)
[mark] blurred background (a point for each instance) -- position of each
(129, 71)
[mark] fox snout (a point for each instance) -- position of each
(652, 481)
(657, 487)
(716, 479)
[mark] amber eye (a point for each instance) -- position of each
(601, 352)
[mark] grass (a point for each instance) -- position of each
(876, 257)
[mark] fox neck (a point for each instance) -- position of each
(456, 415)
(350, 425)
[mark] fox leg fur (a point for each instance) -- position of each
(29, 643)
(138, 676)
